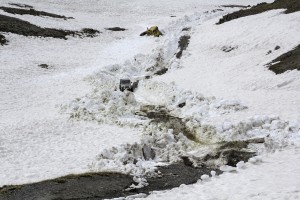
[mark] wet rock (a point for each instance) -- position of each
(183, 43)
(31, 11)
(103, 185)
(115, 29)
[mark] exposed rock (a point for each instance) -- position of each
(290, 6)
(115, 29)
(287, 61)
(183, 43)
(21, 27)
(3, 40)
(31, 11)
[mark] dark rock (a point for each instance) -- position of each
(181, 105)
(31, 11)
(290, 6)
(3, 40)
(44, 66)
(186, 29)
(172, 16)
(228, 48)
(21, 27)
(183, 43)
(269, 52)
(161, 71)
(277, 47)
(116, 29)
(88, 32)
(288, 61)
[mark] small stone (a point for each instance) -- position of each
(277, 47)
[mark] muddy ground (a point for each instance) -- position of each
(290, 6)
(31, 11)
(102, 185)
(21, 27)
(287, 61)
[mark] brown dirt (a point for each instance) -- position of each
(287, 61)
(31, 11)
(290, 6)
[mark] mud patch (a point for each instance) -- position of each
(32, 11)
(116, 29)
(287, 61)
(183, 43)
(290, 6)
(21, 27)
(3, 40)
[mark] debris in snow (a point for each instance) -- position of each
(183, 43)
(116, 29)
(3, 41)
(153, 31)
(277, 47)
(228, 48)
(44, 66)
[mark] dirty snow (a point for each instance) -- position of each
(71, 118)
